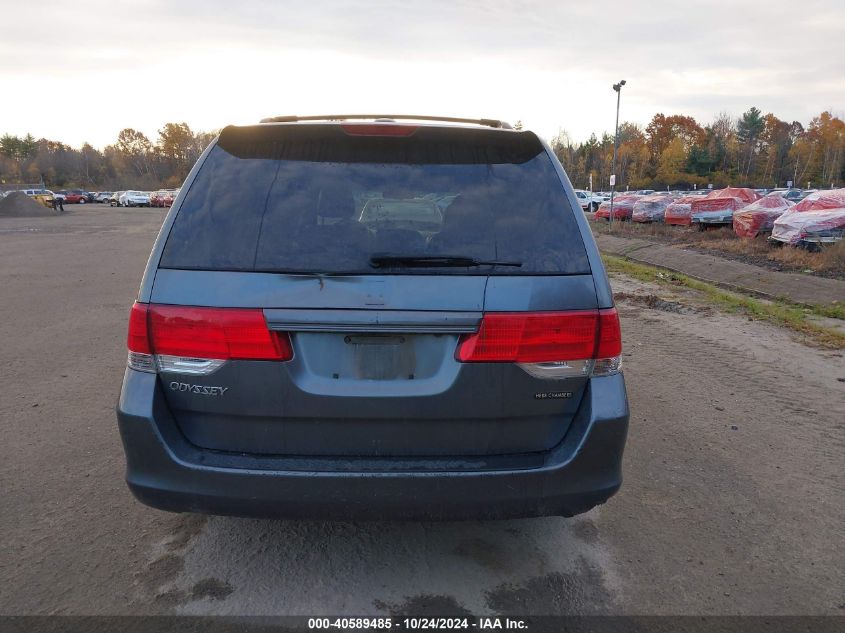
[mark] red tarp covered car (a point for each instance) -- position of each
(758, 217)
(719, 206)
(650, 208)
(820, 217)
(623, 207)
(680, 211)
(714, 207)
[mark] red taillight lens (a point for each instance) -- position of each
(531, 338)
(378, 129)
(609, 343)
(211, 333)
(138, 340)
(515, 337)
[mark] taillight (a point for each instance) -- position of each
(547, 344)
(138, 339)
(530, 338)
(197, 340)
(609, 337)
(378, 129)
(220, 333)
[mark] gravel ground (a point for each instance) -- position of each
(733, 501)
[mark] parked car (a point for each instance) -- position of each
(162, 198)
(623, 207)
(817, 219)
(290, 355)
(588, 201)
(679, 211)
(651, 208)
(717, 207)
(103, 196)
(44, 196)
(114, 199)
(134, 199)
(73, 196)
(759, 217)
(795, 195)
(35, 192)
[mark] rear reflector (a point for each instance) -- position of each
(378, 129)
(184, 337)
(542, 337)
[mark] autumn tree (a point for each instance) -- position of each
(775, 143)
(632, 157)
(136, 149)
(673, 160)
(662, 130)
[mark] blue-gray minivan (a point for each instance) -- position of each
(374, 318)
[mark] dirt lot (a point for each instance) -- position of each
(733, 503)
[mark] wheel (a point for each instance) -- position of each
(594, 207)
(82, 201)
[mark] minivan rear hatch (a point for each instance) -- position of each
(370, 253)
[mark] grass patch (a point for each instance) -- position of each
(782, 313)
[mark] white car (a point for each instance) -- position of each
(39, 192)
(134, 199)
(588, 201)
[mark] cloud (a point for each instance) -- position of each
(549, 63)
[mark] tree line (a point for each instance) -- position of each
(675, 151)
(132, 161)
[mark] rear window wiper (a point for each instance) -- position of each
(435, 261)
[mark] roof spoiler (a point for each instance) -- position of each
(387, 118)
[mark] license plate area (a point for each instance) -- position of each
(382, 356)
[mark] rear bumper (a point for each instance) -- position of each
(166, 472)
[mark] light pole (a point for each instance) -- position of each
(618, 89)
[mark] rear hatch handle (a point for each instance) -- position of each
(394, 321)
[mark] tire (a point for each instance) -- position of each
(594, 207)
(82, 201)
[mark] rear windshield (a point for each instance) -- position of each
(315, 199)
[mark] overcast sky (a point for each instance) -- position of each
(83, 70)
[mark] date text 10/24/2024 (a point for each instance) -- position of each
(418, 624)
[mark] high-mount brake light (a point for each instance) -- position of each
(548, 344)
(199, 340)
(378, 129)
